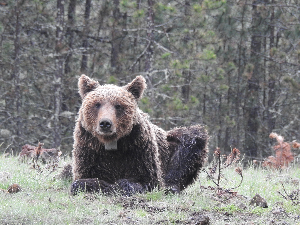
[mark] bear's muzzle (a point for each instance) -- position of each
(106, 125)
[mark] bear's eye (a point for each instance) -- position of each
(97, 105)
(118, 107)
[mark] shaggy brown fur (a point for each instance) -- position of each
(115, 142)
(66, 173)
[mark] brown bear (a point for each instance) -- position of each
(117, 148)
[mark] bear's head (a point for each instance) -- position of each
(109, 111)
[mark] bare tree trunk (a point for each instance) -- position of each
(205, 98)
(149, 51)
(228, 129)
(70, 34)
(16, 73)
(252, 95)
(240, 71)
(271, 82)
(58, 80)
(117, 37)
(220, 121)
(150, 28)
(186, 89)
(85, 43)
(135, 43)
(103, 13)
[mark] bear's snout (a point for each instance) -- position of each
(106, 125)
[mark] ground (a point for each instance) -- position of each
(45, 199)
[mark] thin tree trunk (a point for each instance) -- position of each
(70, 34)
(252, 95)
(241, 59)
(271, 82)
(59, 73)
(16, 72)
(135, 42)
(150, 51)
(187, 75)
(150, 28)
(85, 43)
(228, 129)
(116, 37)
(186, 89)
(220, 121)
(103, 13)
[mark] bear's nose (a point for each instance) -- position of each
(105, 125)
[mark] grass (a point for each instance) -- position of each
(45, 199)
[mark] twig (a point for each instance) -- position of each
(295, 200)
(6, 148)
(219, 174)
(140, 56)
(240, 182)
(232, 158)
(283, 195)
(210, 177)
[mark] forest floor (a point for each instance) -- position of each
(45, 199)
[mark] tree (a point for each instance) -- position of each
(232, 65)
(252, 101)
(85, 32)
(59, 72)
(70, 34)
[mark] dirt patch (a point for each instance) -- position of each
(134, 203)
(230, 208)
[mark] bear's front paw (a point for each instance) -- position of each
(172, 190)
(127, 188)
(85, 185)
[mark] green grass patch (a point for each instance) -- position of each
(45, 199)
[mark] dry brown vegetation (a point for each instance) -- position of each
(283, 154)
(216, 171)
(37, 152)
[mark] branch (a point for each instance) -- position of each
(273, 60)
(210, 177)
(162, 47)
(288, 197)
(140, 56)
(100, 39)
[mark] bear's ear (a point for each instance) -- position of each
(86, 84)
(137, 87)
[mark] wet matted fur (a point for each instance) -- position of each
(120, 150)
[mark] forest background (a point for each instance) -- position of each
(231, 65)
